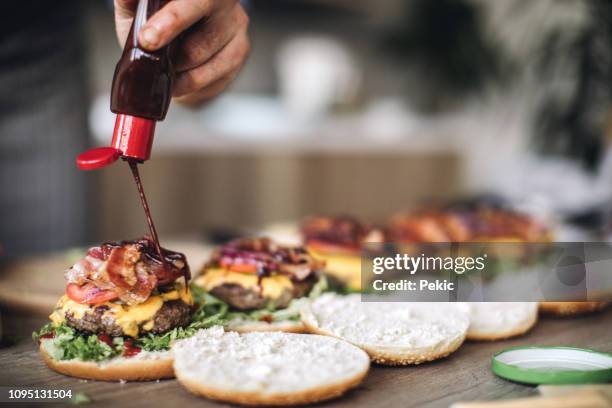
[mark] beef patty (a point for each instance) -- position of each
(242, 298)
(174, 313)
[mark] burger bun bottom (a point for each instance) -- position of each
(145, 366)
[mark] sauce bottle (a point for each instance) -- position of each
(140, 96)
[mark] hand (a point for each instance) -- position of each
(210, 54)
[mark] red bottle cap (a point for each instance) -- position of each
(96, 158)
(133, 136)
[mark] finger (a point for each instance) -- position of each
(210, 37)
(227, 60)
(124, 14)
(208, 93)
(125, 8)
(174, 18)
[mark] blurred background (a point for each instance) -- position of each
(344, 107)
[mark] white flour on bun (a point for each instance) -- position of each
(268, 368)
(391, 333)
(501, 320)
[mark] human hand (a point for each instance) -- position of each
(210, 54)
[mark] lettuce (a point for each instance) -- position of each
(319, 288)
(69, 344)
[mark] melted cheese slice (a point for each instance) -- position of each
(129, 317)
(272, 286)
(345, 268)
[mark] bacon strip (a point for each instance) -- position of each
(133, 283)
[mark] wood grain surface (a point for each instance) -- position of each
(463, 376)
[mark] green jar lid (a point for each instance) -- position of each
(553, 365)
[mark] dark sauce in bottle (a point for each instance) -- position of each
(142, 84)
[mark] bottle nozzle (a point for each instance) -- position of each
(133, 136)
(132, 139)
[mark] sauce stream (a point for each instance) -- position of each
(145, 205)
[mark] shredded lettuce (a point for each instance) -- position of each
(319, 288)
(69, 344)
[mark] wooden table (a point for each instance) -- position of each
(465, 375)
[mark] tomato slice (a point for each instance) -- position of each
(239, 267)
(89, 294)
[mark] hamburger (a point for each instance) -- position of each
(513, 238)
(339, 241)
(123, 307)
(469, 221)
(258, 285)
(512, 241)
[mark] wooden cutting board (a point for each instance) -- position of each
(463, 376)
(35, 284)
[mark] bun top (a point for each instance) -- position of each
(389, 324)
(267, 363)
(500, 316)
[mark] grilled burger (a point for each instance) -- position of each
(467, 223)
(261, 283)
(123, 306)
(514, 239)
(339, 241)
